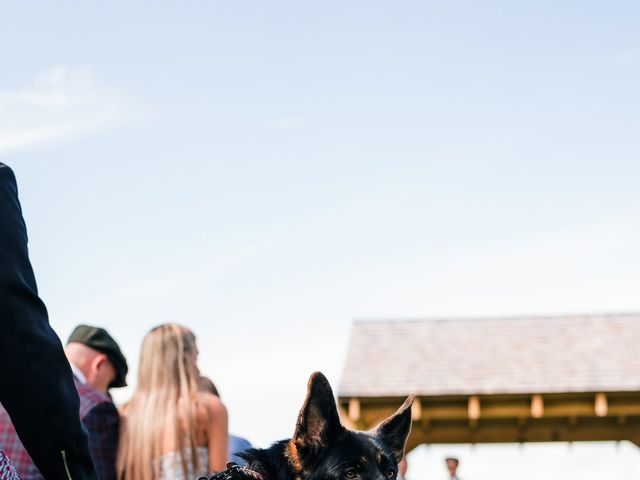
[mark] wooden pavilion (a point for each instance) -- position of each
(544, 379)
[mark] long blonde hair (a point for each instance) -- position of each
(165, 397)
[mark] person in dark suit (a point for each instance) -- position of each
(36, 384)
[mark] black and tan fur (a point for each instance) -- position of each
(323, 449)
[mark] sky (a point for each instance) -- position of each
(267, 172)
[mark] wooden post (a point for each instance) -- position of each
(601, 405)
(416, 410)
(354, 409)
(537, 406)
(473, 410)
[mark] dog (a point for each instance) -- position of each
(323, 449)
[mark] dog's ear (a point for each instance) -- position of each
(318, 421)
(393, 432)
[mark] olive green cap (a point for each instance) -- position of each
(99, 340)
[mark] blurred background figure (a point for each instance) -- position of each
(452, 466)
(171, 430)
(236, 444)
(97, 365)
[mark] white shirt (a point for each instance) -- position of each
(78, 374)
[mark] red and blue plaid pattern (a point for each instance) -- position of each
(99, 416)
(13, 448)
(7, 472)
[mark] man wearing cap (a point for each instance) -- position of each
(97, 365)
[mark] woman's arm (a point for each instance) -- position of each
(217, 433)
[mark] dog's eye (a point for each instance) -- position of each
(391, 473)
(351, 473)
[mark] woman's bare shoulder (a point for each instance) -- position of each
(212, 404)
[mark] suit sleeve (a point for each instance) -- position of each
(103, 425)
(36, 385)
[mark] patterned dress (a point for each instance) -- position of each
(170, 465)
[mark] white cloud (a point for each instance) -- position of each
(58, 104)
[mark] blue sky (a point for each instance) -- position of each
(265, 172)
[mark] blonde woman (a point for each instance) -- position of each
(170, 430)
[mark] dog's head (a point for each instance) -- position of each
(323, 449)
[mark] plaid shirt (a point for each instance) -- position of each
(7, 472)
(99, 416)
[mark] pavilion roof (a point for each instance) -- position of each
(553, 354)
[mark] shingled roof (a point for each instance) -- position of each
(595, 353)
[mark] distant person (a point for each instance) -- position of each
(236, 444)
(452, 466)
(170, 429)
(36, 385)
(97, 365)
